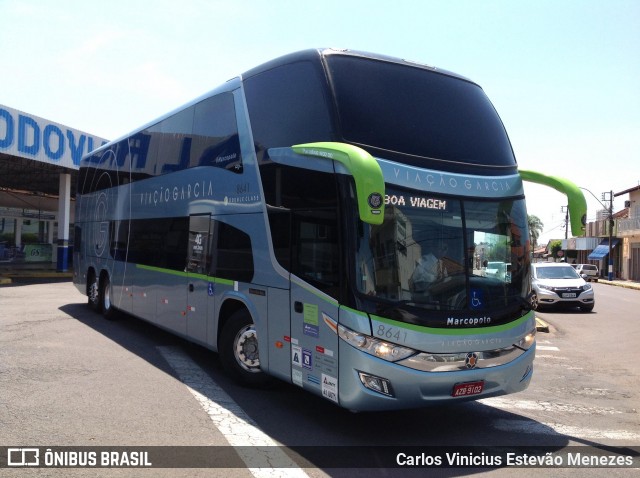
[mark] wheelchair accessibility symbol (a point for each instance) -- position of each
(477, 299)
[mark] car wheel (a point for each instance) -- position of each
(587, 308)
(534, 301)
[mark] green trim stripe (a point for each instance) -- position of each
(319, 295)
(216, 280)
(457, 331)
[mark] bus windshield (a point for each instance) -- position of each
(398, 108)
(434, 252)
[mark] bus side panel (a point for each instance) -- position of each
(279, 331)
(200, 307)
(314, 341)
(144, 292)
(121, 278)
(172, 302)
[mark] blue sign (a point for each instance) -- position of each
(36, 138)
(477, 298)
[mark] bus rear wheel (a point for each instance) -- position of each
(239, 350)
(105, 298)
(93, 292)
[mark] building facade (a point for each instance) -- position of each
(39, 160)
(628, 230)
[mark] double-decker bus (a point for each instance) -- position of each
(324, 219)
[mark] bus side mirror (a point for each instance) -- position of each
(577, 202)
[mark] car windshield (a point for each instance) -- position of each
(433, 252)
(567, 272)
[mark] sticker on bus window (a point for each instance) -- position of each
(477, 298)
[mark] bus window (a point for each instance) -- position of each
(233, 254)
(287, 106)
(315, 249)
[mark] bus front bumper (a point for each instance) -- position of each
(402, 387)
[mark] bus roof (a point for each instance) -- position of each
(316, 54)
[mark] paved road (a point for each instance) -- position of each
(69, 377)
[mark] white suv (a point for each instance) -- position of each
(590, 270)
(559, 283)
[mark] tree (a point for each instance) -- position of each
(555, 247)
(535, 229)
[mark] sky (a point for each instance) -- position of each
(564, 75)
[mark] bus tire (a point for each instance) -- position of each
(105, 298)
(93, 291)
(239, 350)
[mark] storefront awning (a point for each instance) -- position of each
(602, 250)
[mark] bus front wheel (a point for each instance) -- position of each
(239, 350)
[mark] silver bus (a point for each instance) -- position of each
(323, 219)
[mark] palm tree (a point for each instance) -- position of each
(535, 229)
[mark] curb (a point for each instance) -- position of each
(541, 325)
(625, 285)
(15, 277)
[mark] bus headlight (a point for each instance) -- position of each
(527, 341)
(378, 348)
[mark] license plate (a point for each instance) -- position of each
(466, 389)
(569, 295)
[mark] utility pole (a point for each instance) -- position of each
(565, 209)
(610, 193)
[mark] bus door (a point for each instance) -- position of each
(199, 288)
(314, 312)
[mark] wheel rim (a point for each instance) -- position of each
(93, 291)
(106, 301)
(534, 301)
(246, 349)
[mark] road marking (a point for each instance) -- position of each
(533, 426)
(543, 406)
(232, 421)
(579, 433)
(547, 347)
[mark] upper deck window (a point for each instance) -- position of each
(288, 106)
(414, 111)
